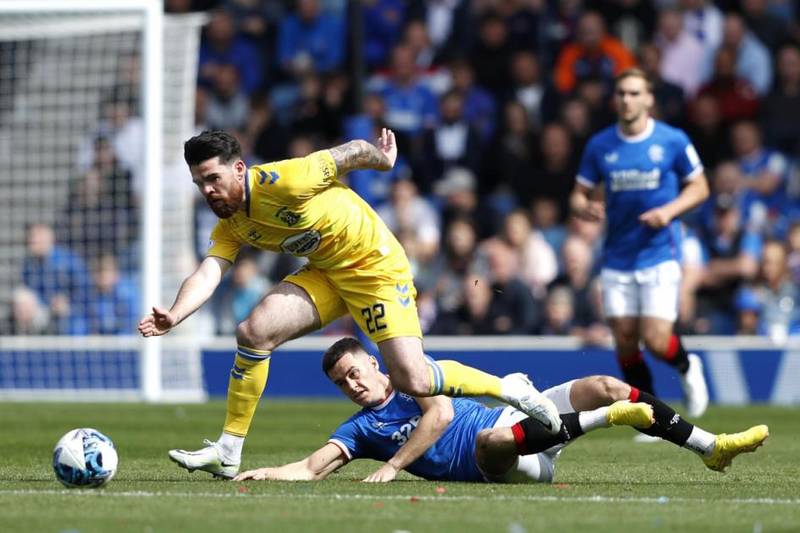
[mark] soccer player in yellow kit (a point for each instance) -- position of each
(355, 265)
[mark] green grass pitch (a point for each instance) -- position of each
(604, 481)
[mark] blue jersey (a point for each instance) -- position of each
(378, 432)
(638, 174)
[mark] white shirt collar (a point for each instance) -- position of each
(639, 137)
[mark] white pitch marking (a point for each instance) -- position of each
(531, 498)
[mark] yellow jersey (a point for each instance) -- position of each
(299, 207)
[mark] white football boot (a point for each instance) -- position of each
(209, 459)
(519, 392)
(695, 390)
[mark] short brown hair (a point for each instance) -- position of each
(634, 72)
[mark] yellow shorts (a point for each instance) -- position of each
(382, 302)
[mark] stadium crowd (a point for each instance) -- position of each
(492, 102)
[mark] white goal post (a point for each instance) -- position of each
(69, 69)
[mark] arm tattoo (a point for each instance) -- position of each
(358, 154)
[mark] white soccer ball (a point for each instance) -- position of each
(84, 457)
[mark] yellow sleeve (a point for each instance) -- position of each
(223, 243)
(296, 179)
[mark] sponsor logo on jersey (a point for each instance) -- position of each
(635, 180)
(302, 243)
(611, 157)
(254, 235)
(379, 425)
(656, 153)
(287, 217)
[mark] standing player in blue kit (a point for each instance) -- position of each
(650, 174)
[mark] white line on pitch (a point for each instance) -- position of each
(458, 498)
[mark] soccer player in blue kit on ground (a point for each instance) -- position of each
(439, 438)
(640, 175)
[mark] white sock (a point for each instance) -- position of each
(591, 420)
(231, 446)
(537, 468)
(701, 441)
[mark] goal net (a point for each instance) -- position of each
(96, 99)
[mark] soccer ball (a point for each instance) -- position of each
(84, 457)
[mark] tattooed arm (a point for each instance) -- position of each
(360, 154)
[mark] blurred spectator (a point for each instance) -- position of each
(575, 115)
(554, 176)
(223, 46)
(447, 24)
(777, 294)
(28, 315)
(269, 136)
(577, 278)
(410, 105)
(559, 26)
(491, 54)
(409, 212)
(780, 111)
(479, 104)
(748, 312)
(503, 306)
(547, 217)
(703, 19)
(632, 20)
(453, 143)
(310, 40)
(523, 18)
(669, 98)
(242, 291)
(528, 87)
(793, 242)
(458, 195)
(733, 257)
(125, 132)
(319, 108)
(751, 58)
(682, 52)
(513, 309)
(113, 307)
(101, 212)
(383, 25)
(452, 265)
(415, 36)
(227, 107)
(707, 130)
(537, 260)
(769, 28)
(765, 171)
(594, 54)
(737, 98)
(59, 278)
(512, 160)
(559, 312)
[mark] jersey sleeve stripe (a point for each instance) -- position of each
(339, 444)
(585, 181)
(693, 174)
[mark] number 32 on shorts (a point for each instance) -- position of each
(374, 317)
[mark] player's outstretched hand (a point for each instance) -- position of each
(592, 211)
(259, 474)
(388, 145)
(384, 474)
(157, 323)
(656, 218)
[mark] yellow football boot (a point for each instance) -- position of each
(625, 413)
(729, 446)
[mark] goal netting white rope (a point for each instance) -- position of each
(96, 99)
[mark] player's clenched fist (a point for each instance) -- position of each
(157, 323)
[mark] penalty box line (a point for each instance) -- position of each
(441, 498)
